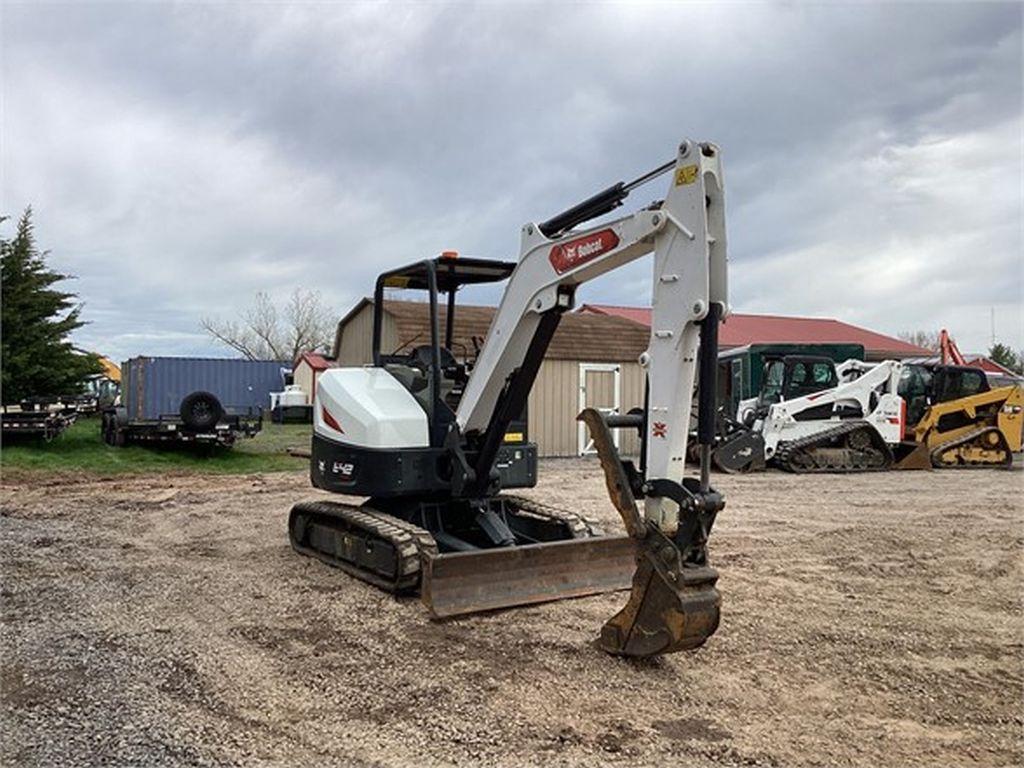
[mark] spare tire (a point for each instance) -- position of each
(200, 411)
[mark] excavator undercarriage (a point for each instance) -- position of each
(556, 554)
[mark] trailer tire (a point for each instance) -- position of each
(201, 411)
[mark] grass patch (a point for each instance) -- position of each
(80, 449)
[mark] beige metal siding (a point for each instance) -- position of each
(554, 404)
(357, 338)
(552, 408)
(632, 396)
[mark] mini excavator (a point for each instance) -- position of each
(432, 443)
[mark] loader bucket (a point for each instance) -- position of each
(488, 579)
(913, 456)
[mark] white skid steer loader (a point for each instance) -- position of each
(814, 416)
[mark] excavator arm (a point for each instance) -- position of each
(686, 234)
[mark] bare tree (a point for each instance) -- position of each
(926, 339)
(262, 332)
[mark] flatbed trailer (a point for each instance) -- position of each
(19, 422)
(118, 430)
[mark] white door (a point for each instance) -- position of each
(600, 388)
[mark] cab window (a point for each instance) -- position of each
(971, 383)
(824, 375)
(771, 388)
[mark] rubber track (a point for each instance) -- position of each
(787, 450)
(970, 438)
(409, 541)
(579, 526)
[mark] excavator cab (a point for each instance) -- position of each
(430, 366)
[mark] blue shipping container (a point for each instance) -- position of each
(152, 387)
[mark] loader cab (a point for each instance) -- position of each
(788, 377)
(434, 369)
(924, 384)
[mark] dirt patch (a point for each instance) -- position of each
(867, 620)
(690, 729)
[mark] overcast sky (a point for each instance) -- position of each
(179, 158)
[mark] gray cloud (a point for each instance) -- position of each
(181, 157)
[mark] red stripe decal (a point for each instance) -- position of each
(330, 421)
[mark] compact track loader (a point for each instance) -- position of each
(814, 416)
(432, 444)
(955, 420)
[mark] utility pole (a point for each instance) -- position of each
(993, 315)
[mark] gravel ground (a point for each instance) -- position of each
(867, 620)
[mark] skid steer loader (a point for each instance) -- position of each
(815, 416)
(425, 437)
(955, 420)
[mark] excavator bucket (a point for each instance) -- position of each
(672, 606)
(666, 612)
(484, 580)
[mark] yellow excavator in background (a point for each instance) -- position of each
(955, 420)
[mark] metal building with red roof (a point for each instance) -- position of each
(741, 329)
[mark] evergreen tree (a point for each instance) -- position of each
(1006, 357)
(38, 358)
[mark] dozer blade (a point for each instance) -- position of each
(672, 606)
(488, 579)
